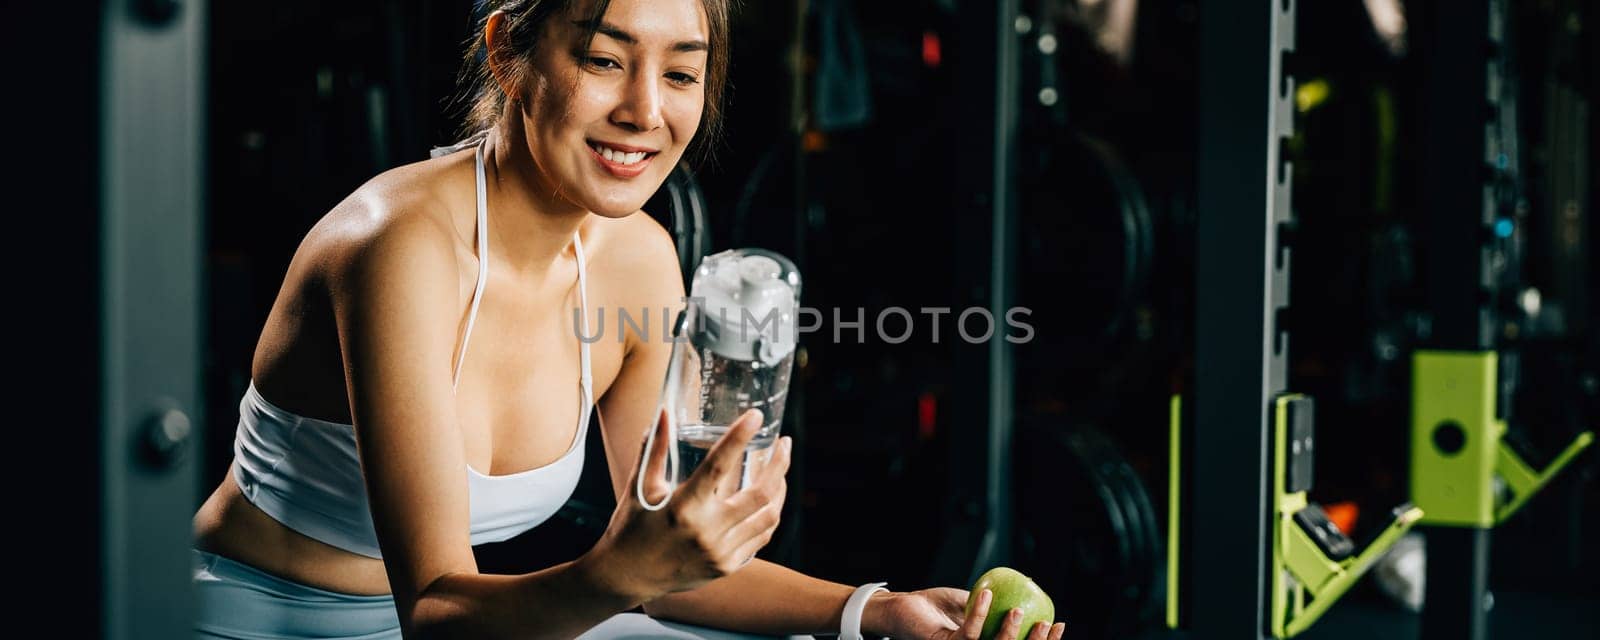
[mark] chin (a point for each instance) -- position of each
(619, 201)
(614, 213)
(615, 209)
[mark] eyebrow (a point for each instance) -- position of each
(616, 33)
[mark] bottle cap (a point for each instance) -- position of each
(744, 305)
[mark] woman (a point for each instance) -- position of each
(419, 367)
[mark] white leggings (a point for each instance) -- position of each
(240, 602)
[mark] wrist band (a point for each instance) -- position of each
(850, 622)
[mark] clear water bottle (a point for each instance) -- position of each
(733, 350)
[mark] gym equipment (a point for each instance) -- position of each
(1242, 259)
(1085, 212)
(767, 189)
(1087, 530)
(1247, 426)
(1175, 508)
(1310, 556)
(1313, 562)
(680, 207)
(1464, 472)
(978, 530)
(1087, 215)
(120, 363)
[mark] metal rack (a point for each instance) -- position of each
(978, 510)
(149, 284)
(1462, 471)
(1246, 113)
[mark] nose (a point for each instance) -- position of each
(640, 109)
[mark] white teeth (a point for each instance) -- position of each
(619, 157)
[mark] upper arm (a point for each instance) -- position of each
(628, 409)
(395, 302)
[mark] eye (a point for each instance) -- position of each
(599, 62)
(682, 79)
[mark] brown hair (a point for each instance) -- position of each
(523, 23)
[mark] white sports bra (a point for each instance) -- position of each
(305, 473)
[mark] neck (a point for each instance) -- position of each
(530, 223)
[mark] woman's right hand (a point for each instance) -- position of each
(1010, 626)
(710, 529)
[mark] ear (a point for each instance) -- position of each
(492, 55)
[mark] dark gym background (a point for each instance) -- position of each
(851, 157)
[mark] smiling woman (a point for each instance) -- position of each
(620, 95)
(421, 379)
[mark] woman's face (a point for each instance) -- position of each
(607, 123)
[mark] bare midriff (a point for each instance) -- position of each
(229, 526)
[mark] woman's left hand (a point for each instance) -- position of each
(931, 613)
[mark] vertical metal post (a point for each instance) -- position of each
(1456, 214)
(1460, 77)
(1457, 584)
(150, 174)
(979, 530)
(799, 119)
(1246, 100)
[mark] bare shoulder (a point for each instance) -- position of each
(393, 234)
(636, 263)
(639, 260)
(401, 225)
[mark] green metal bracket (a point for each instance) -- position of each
(1457, 444)
(1299, 567)
(1174, 483)
(1524, 481)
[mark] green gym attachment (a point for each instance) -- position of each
(1312, 566)
(1463, 474)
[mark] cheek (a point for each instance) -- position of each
(557, 108)
(544, 110)
(591, 102)
(683, 113)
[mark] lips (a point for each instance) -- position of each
(622, 161)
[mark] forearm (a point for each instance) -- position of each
(558, 602)
(763, 598)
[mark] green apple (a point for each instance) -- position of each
(1012, 590)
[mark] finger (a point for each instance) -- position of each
(756, 466)
(1040, 631)
(1057, 631)
(654, 462)
(777, 461)
(726, 456)
(760, 520)
(772, 472)
(746, 551)
(1010, 626)
(972, 627)
(771, 486)
(728, 483)
(744, 471)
